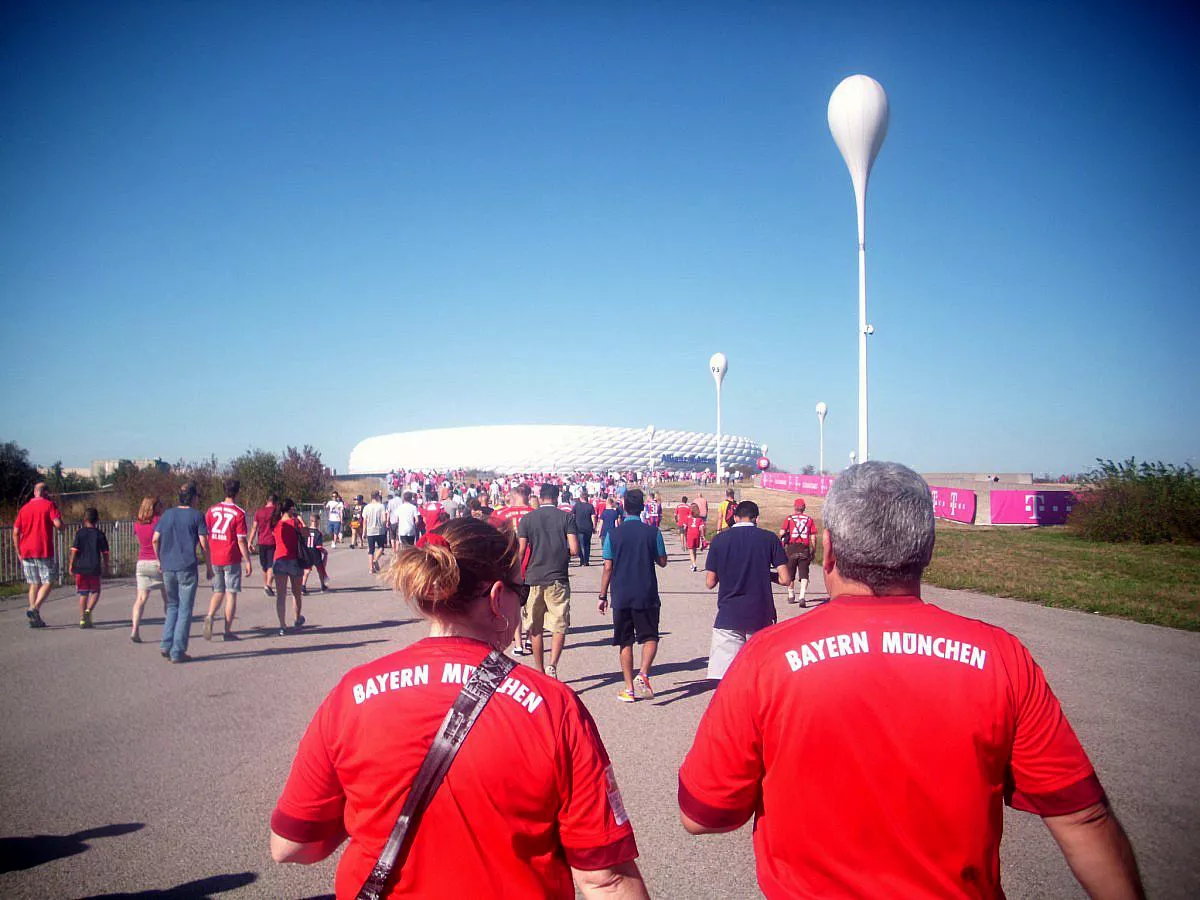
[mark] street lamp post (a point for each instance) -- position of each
(821, 410)
(858, 119)
(718, 365)
(650, 446)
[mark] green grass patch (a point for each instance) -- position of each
(1158, 584)
(19, 589)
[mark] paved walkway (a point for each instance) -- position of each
(128, 777)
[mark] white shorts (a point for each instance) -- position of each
(725, 646)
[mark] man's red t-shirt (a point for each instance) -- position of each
(262, 521)
(510, 515)
(531, 794)
(35, 521)
(683, 512)
(226, 523)
(875, 741)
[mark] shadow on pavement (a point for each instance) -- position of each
(283, 651)
(192, 890)
(688, 689)
(605, 641)
(608, 680)
(20, 853)
(369, 626)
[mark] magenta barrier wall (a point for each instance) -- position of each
(956, 504)
(1031, 507)
(814, 485)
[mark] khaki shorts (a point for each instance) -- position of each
(548, 607)
(149, 574)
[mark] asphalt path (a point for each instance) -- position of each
(125, 776)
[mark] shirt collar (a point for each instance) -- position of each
(873, 600)
(743, 525)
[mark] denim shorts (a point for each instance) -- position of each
(288, 567)
(227, 578)
(40, 571)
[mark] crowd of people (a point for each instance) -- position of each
(883, 688)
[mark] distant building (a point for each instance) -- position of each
(102, 468)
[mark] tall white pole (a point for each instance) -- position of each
(858, 120)
(822, 409)
(718, 365)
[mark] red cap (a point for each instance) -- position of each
(799, 504)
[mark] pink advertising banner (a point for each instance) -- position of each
(956, 504)
(1031, 507)
(814, 485)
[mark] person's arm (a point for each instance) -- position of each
(244, 547)
(710, 580)
(106, 564)
(17, 540)
(1098, 852)
(202, 540)
(522, 546)
(71, 562)
(782, 575)
(155, 541)
(621, 882)
(573, 543)
(285, 851)
(251, 541)
(605, 580)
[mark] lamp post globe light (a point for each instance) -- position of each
(718, 365)
(858, 120)
(821, 410)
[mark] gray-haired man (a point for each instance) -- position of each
(924, 721)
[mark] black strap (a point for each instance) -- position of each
(470, 702)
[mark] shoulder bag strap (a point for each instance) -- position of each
(470, 702)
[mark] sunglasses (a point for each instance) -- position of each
(521, 590)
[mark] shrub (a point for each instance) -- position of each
(1150, 503)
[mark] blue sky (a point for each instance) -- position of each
(230, 225)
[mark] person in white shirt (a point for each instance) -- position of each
(335, 511)
(375, 527)
(407, 518)
(393, 519)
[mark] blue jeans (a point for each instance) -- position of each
(585, 548)
(181, 597)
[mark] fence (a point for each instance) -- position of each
(122, 549)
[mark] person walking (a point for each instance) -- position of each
(229, 555)
(89, 561)
(147, 572)
(652, 514)
(800, 540)
(408, 517)
(179, 531)
(631, 554)
(33, 536)
(926, 723)
(725, 511)
(262, 535)
(356, 522)
(585, 527)
(740, 563)
(516, 823)
(683, 512)
(288, 531)
(317, 556)
(549, 537)
(374, 517)
(335, 511)
(693, 535)
(393, 520)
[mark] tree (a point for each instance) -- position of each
(17, 474)
(60, 482)
(305, 478)
(260, 475)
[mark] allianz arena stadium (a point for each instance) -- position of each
(549, 448)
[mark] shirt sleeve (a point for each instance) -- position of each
(572, 528)
(75, 544)
(240, 527)
(522, 529)
(592, 821)
(662, 546)
(721, 776)
(312, 804)
(778, 556)
(103, 542)
(202, 525)
(1050, 773)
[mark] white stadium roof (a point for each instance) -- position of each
(546, 448)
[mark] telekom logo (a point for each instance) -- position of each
(1035, 505)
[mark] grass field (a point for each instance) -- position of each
(1158, 584)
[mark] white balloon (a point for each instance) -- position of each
(858, 119)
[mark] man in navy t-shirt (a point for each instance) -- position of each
(740, 560)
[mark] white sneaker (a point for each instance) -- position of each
(552, 671)
(641, 684)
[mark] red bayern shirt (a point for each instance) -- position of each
(510, 515)
(683, 512)
(799, 529)
(875, 741)
(531, 793)
(226, 523)
(35, 521)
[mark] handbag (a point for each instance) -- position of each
(305, 554)
(446, 743)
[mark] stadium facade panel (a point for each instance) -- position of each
(548, 448)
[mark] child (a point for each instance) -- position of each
(316, 546)
(694, 535)
(89, 560)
